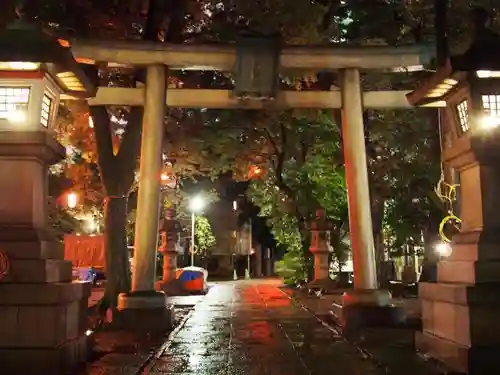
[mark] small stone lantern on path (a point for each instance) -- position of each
(460, 312)
(171, 229)
(43, 314)
(320, 247)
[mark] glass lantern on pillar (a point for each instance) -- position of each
(468, 88)
(35, 70)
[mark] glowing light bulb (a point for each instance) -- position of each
(19, 65)
(72, 200)
(490, 122)
(443, 249)
(91, 225)
(16, 117)
(197, 204)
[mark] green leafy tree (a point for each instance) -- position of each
(300, 178)
(204, 237)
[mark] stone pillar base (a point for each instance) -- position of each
(367, 308)
(144, 311)
(45, 360)
(43, 314)
(464, 359)
(460, 326)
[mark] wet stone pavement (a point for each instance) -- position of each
(253, 328)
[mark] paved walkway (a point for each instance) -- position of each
(252, 328)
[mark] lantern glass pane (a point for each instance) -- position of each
(20, 65)
(46, 110)
(13, 100)
(463, 116)
(491, 105)
(488, 74)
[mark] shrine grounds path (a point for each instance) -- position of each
(253, 328)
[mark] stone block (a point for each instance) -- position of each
(466, 325)
(468, 272)
(43, 293)
(474, 246)
(476, 360)
(152, 320)
(32, 249)
(40, 326)
(38, 271)
(482, 294)
(9, 318)
(357, 317)
(53, 361)
(144, 311)
(460, 325)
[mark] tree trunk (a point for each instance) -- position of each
(115, 241)
(117, 176)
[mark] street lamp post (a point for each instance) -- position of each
(196, 204)
(193, 228)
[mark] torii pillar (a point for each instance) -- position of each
(144, 307)
(365, 304)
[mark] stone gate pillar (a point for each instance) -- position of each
(144, 308)
(365, 305)
(358, 195)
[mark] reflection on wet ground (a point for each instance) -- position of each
(252, 328)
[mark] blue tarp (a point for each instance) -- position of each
(86, 274)
(190, 275)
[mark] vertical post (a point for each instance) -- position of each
(360, 219)
(237, 252)
(148, 203)
(193, 228)
(249, 252)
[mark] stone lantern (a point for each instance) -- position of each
(171, 229)
(43, 313)
(320, 247)
(460, 312)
